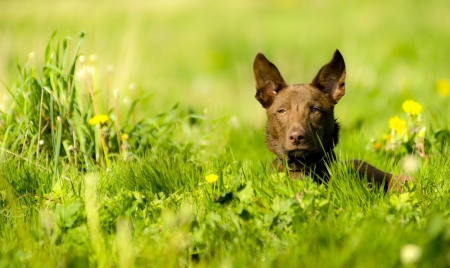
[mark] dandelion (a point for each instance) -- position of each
(132, 87)
(377, 146)
(85, 71)
(443, 87)
(125, 137)
(388, 137)
(234, 121)
(211, 178)
(412, 107)
(93, 57)
(422, 132)
(127, 101)
(116, 93)
(110, 68)
(410, 254)
(98, 119)
(397, 124)
(410, 164)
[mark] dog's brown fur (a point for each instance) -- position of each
(301, 129)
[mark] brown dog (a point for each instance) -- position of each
(301, 129)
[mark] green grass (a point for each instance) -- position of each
(74, 194)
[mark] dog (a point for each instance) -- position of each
(301, 128)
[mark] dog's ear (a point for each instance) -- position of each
(268, 80)
(331, 78)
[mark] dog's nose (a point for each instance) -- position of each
(296, 136)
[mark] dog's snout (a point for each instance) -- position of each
(296, 136)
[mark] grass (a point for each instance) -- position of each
(130, 191)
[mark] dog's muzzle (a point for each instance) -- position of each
(298, 154)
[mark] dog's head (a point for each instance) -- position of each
(301, 122)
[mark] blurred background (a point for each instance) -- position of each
(200, 53)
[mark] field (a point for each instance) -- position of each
(130, 135)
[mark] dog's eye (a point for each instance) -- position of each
(281, 111)
(315, 110)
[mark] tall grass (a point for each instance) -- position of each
(44, 113)
(54, 130)
(257, 218)
(55, 119)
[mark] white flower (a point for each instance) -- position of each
(93, 57)
(422, 132)
(110, 68)
(86, 70)
(234, 121)
(410, 164)
(410, 253)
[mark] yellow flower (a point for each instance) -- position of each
(412, 107)
(397, 124)
(443, 87)
(98, 119)
(388, 137)
(125, 137)
(211, 178)
(377, 146)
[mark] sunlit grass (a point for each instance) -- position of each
(172, 169)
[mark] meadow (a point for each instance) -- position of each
(130, 135)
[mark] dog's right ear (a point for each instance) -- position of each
(268, 80)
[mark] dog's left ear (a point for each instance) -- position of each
(331, 78)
